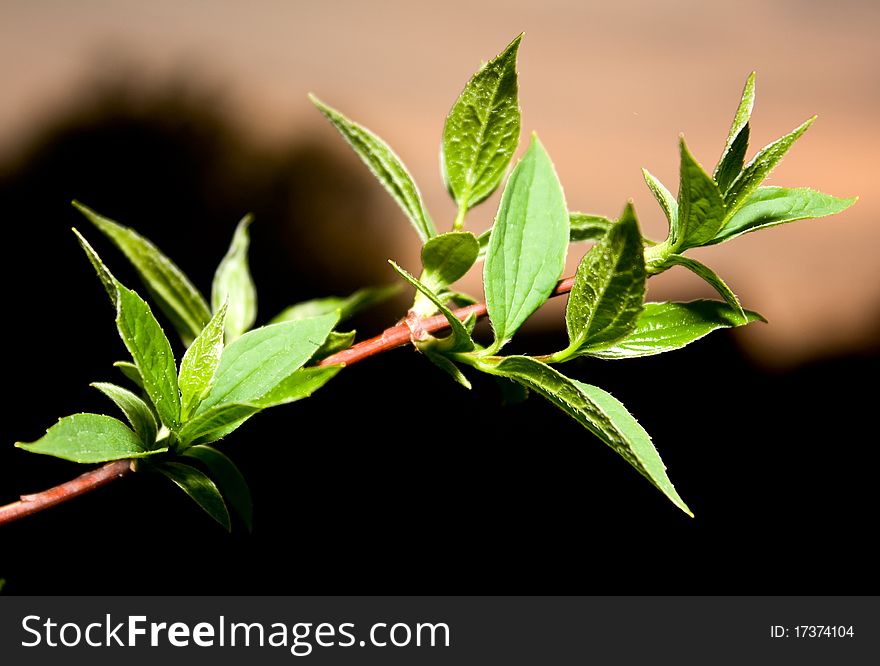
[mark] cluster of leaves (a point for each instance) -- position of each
(524, 252)
(229, 372)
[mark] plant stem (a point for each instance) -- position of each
(84, 483)
(391, 338)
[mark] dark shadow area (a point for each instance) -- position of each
(393, 479)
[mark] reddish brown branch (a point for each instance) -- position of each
(84, 483)
(396, 336)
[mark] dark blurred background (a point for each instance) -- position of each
(177, 118)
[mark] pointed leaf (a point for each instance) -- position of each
(772, 206)
(200, 363)
(586, 227)
(259, 360)
(229, 480)
(599, 412)
(460, 339)
(151, 352)
(664, 198)
(709, 276)
(168, 285)
(199, 487)
(138, 413)
(385, 165)
(104, 275)
(234, 286)
(609, 288)
(348, 306)
(731, 162)
(754, 173)
(700, 206)
(664, 327)
(482, 131)
(528, 244)
(89, 438)
(448, 367)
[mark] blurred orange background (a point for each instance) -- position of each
(608, 86)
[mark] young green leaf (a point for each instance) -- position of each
(167, 284)
(446, 258)
(347, 306)
(701, 209)
(731, 162)
(664, 198)
(754, 173)
(229, 480)
(609, 288)
(90, 438)
(448, 367)
(234, 286)
(596, 410)
(664, 327)
(385, 165)
(104, 274)
(528, 244)
(138, 413)
(712, 278)
(130, 372)
(772, 206)
(214, 423)
(200, 362)
(586, 227)
(460, 339)
(482, 131)
(259, 360)
(336, 342)
(199, 487)
(151, 352)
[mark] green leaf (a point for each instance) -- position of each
(89, 438)
(700, 206)
(446, 258)
(138, 413)
(586, 227)
(772, 206)
(130, 371)
(712, 278)
(261, 359)
(482, 131)
(596, 410)
(528, 244)
(664, 327)
(200, 363)
(217, 422)
(348, 306)
(151, 352)
(234, 286)
(199, 487)
(664, 198)
(731, 162)
(229, 480)
(448, 367)
(608, 289)
(754, 173)
(460, 339)
(104, 275)
(335, 343)
(167, 284)
(385, 165)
